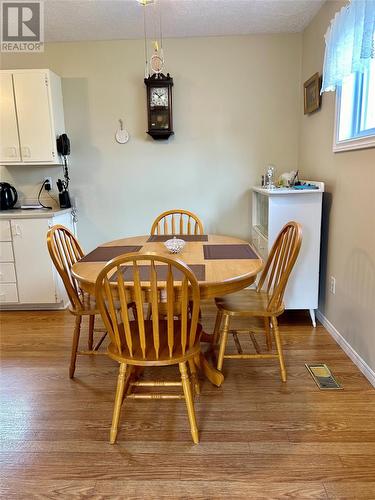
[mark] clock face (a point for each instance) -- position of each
(159, 96)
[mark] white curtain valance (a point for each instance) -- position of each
(350, 43)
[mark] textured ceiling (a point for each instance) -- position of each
(74, 20)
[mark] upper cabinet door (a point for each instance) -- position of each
(34, 114)
(9, 143)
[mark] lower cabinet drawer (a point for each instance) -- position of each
(6, 251)
(5, 234)
(8, 293)
(7, 272)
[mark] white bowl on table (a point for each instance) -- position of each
(175, 245)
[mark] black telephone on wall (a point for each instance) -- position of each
(63, 145)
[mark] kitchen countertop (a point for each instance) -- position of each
(39, 213)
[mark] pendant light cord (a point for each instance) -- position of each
(160, 28)
(145, 34)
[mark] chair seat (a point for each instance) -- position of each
(247, 303)
(151, 359)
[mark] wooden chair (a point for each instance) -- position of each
(154, 342)
(263, 305)
(177, 222)
(65, 250)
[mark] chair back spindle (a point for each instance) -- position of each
(122, 281)
(65, 251)
(177, 221)
(280, 262)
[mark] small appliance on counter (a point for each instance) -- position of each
(8, 196)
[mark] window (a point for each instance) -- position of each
(355, 111)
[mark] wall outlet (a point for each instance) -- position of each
(332, 285)
(48, 180)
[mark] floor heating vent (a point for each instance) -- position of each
(322, 376)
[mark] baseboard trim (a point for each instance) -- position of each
(59, 306)
(347, 348)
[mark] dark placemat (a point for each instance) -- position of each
(104, 254)
(228, 252)
(144, 272)
(185, 237)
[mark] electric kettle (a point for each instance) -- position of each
(8, 196)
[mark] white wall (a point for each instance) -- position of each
(349, 209)
(236, 105)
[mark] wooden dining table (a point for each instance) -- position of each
(222, 265)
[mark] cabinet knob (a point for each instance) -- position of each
(11, 152)
(16, 230)
(26, 153)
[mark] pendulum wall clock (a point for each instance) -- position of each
(159, 106)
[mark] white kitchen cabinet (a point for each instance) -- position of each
(35, 278)
(28, 279)
(33, 117)
(272, 209)
(6, 251)
(9, 143)
(8, 293)
(8, 272)
(5, 234)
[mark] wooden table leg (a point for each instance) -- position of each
(207, 337)
(213, 375)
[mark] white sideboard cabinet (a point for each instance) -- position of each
(272, 209)
(31, 117)
(28, 279)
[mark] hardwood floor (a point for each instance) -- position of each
(259, 438)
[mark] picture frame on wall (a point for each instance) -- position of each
(311, 94)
